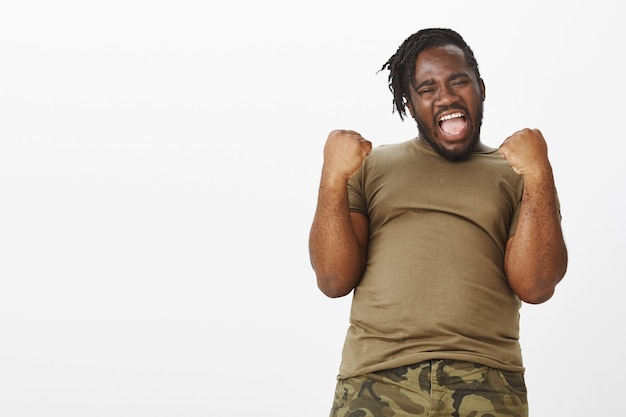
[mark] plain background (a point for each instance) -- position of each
(159, 165)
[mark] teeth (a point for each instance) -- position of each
(450, 116)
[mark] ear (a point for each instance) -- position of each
(482, 89)
(409, 106)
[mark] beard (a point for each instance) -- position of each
(459, 155)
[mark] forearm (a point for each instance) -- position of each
(335, 252)
(536, 256)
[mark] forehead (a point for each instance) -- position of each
(440, 60)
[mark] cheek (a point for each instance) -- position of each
(415, 105)
(419, 109)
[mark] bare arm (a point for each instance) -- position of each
(338, 238)
(536, 256)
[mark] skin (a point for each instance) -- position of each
(338, 238)
(445, 85)
(535, 260)
(536, 256)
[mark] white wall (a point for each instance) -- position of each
(159, 164)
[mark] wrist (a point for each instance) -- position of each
(539, 174)
(334, 179)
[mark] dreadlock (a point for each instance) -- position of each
(401, 65)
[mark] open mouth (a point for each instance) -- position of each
(453, 123)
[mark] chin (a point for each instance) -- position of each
(458, 156)
(456, 153)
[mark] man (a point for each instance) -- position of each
(441, 238)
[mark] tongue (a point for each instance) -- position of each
(453, 126)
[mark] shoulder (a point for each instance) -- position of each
(395, 150)
(492, 166)
(392, 157)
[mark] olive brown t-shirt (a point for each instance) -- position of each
(434, 285)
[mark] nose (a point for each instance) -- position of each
(446, 95)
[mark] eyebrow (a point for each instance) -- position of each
(431, 81)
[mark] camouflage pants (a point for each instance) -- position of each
(433, 389)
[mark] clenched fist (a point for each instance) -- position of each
(344, 153)
(527, 152)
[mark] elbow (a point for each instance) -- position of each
(335, 286)
(536, 296)
(335, 282)
(333, 290)
(537, 285)
(538, 290)
(330, 293)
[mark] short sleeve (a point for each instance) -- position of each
(356, 193)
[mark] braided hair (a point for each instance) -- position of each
(401, 65)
